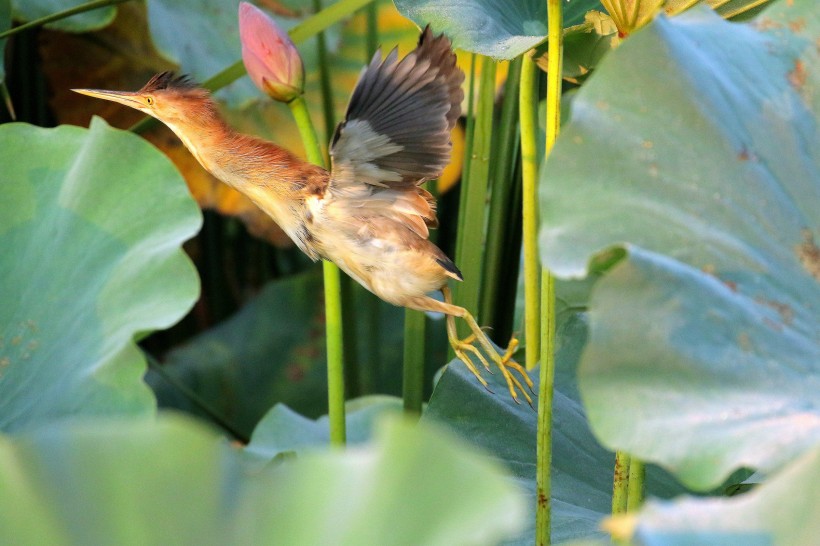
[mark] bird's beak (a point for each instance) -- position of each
(127, 98)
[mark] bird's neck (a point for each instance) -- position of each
(241, 161)
(269, 175)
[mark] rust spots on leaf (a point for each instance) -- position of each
(798, 25)
(765, 23)
(785, 311)
(19, 347)
(744, 342)
(809, 254)
(746, 155)
(731, 285)
(543, 500)
(798, 75)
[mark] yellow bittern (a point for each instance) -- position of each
(369, 214)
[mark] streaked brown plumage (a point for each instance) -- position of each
(369, 214)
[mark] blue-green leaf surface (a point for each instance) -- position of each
(502, 29)
(29, 10)
(272, 351)
(283, 430)
(784, 510)
(581, 468)
(697, 140)
(91, 224)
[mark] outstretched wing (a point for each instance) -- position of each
(396, 133)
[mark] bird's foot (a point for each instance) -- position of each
(487, 353)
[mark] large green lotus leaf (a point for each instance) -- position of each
(283, 430)
(707, 359)
(715, 379)
(29, 10)
(502, 29)
(91, 224)
(581, 468)
(173, 481)
(202, 37)
(271, 351)
(784, 510)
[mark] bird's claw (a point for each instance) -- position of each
(505, 361)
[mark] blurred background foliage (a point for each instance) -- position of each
(254, 337)
(261, 297)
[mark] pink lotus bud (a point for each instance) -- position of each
(272, 61)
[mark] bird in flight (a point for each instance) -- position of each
(368, 214)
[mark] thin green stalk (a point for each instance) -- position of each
(5, 97)
(415, 342)
(620, 483)
(372, 42)
(333, 296)
(301, 32)
(324, 78)
(543, 478)
(194, 398)
(505, 148)
(473, 203)
(413, 384)
(637, 474)
(555, 34)
(335, 353)
(415, 322)
(528, 108)
(353, 384)
(370, 310)
(330, 15)
(66, 13)
(469, 132)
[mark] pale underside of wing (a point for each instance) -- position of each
(396, 134)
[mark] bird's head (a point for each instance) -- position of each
(174, 100)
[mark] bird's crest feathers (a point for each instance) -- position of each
(169, 81)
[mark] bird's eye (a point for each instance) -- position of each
(149, 101)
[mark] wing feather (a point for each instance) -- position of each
(396, 133)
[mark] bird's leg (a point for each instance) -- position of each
(484, 352)
(459, 346)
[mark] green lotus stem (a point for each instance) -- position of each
(369, 313)
(555, 34)
(414, 345)
(528, 107)
(306, 29)
(469, 130)
(473, 202)
(65, 14)
(543, 478)
(324, 78)
(637, 474)
(5, 98)
(620, 483)
(372, 42)
(333, 295)
(498, 272)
